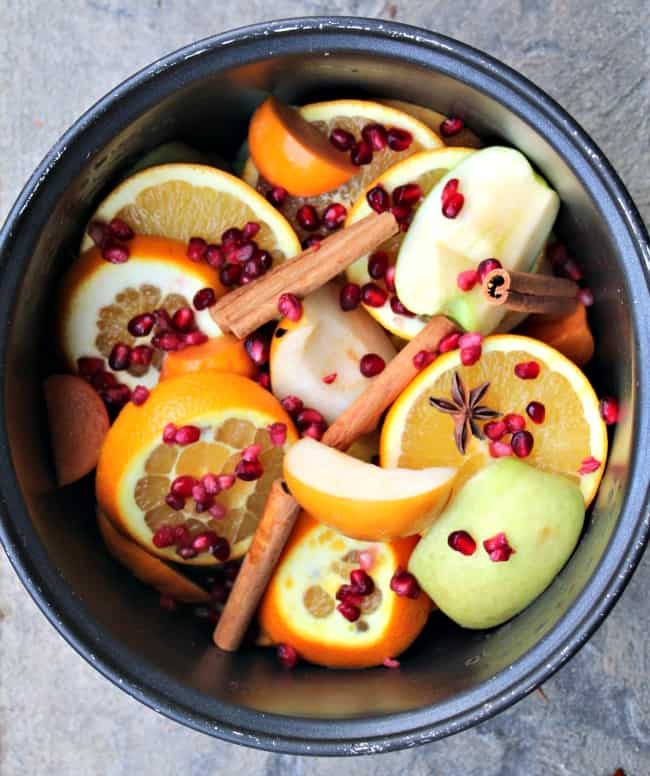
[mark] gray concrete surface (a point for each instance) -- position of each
(59, 717)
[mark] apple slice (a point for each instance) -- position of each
(361, 500)
(317, 358)
(508, 213)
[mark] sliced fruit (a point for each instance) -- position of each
(98, 300)
(361, 500)
(417, 435)
(147, 568)
(225, 414)
(349, 116)
(181, 201)
(423, 169)
(465, 138)
(317, 357)
(570, 334)
(291, 152)
(223, 354)
(501, 209)
(78, 424)
(299, 606)
(500, 543)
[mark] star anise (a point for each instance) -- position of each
(466, 411)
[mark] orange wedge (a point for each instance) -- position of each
(299, 606)
(223, 354)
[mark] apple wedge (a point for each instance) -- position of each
(361, 500)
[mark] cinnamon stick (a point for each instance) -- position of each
(530, 293)
(241, 311)
(281, 509)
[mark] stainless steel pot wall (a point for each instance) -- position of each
(452, 679)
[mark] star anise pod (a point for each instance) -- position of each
(466, 411)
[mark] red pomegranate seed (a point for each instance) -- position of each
(377, 265)
(527, 370)
(101, 381)
(470, 339)
(469, 356)
(453, 206)
(167, 603)
(586, 297)
(204, 298)
(287, 655)
(449, 342)
(211, 484)
(403, 583)
(495, 430)
(250, 230)
(536, 411)
(467, 280)
(277, 195)
(249, 470)
(196, 248)
(258, 348)
(371, 365)
(98, 233)
(278, 434)
(314, 430)
(139, 395)
(195, 338)
(251, 453)
(226, 481)
(119, 357)
(313, 241)
(497, 548)
(330, 378)
(169, 434)
(167, 341)
(462, 542)
(214, 256)
(375, 135)
(183, 319)
(334, 215)
(350, 296)
(514, 422)
(182, 485)
(349, 611)
(290, 307)
(163, 320)
(389, 278)
(361, 153)
(341, 139)
(408, 194)
(390, 662)
(244, 253)
(232, 238)
(522, 444)
(292, 404)
(450, 188)
(451, 126)
(266, 260)
(163, 537)
(230, 274)
(362, 582)
(181, 536)
(89, 366)
(378, 199)
(174, 502)
(187, 435)
(221, 549)
(120, 230)
(199, 493)
(187, 553)
(373, 295)
(485, 267)
(308, 218)
(399, 308)
(589, 465)
(141, 325)
(218, 511)
(399, 139)
(500, 449)
(115, 253)
(402, 213)
(423, 358)
(609, 410)
(204, 541)
(307, 416)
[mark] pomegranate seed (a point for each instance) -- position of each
(371, 365)
(377, 265)
(423, 358)
(399, 139)
(187, 553)
(120, 230)
(140, 395)
(334, 215)
(366, 559)
(375, 135)
(402, 213)
(277, 195)
(221, 549)
(183, 319)
(230, 274)
(390, 662)
(211, 484)
(330, 378)
(341, 139)
(115, 253)
(586, 297)
(469, 356)
(313, 241)
(570, 269)
(403, 583)
(167, 341)
(589, 465)
(349, 611)
(314, 430)
(450, 188)
(195, 338)
(250, 230)
(287, 655)
(169, 434)
(470, 339)
(167, 603)
(522, 444)
(497, 548)
(350, 595)
(258, 349)
(453, 206)
(232, 238)
(163, 537)
(187, 435)
(485, 267)
(308, 218)
(204, 298)
(362, 582)
(536, 411)
(117, 396)
(609, 410)
(373, 295)
(467, 280)
(278, 434)
(398, 307)
(408, 194)
(265, 258)
(527, 370)
(199, 493)
(181, 536)
(451, 126)
(251, 453)
(141, 325)
(500, 449)
(218, 511)
(449, 342)
(163, 321)
(98, 233)
(378, 199)
(204, 541)
(244, 253)
(292, 404)
(389, 278)
(119, 357)
(350, 296)
(361, 153)
(101, 381)
(226, 481)
(290, 306)
(182, 485)
(514, 422)
(249, 470)
(89, 366)
(174, 502)
(213, 255)
(462, 542)
(196, 248)
(307, 416)
(495, 430)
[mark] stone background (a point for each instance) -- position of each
(59, 717)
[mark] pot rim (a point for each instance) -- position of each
(299, 735)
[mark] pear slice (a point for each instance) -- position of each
(508, 213)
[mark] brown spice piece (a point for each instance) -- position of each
(569, 333)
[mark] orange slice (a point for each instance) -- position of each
(465, 138)
(223, 354)
(299, 606)
(571, 437)
(136, 468)
(361, 500)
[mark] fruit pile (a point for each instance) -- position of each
(470, 496)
